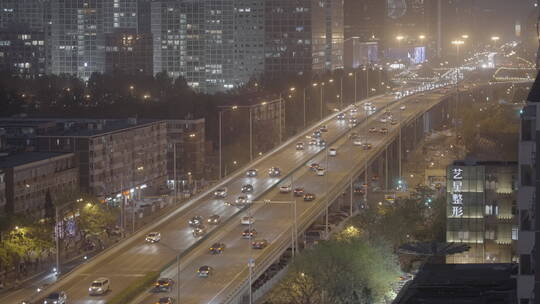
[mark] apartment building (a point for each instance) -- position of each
(113, 155)
(29, 176)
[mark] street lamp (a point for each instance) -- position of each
(399, 38)
(465, 36)
(422, 37)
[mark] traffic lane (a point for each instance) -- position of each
(320, 185)
(269, 183)
(234, 257)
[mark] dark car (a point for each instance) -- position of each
(165, 300)
(214, 219)
(259, 244)
(56, 298)
(163, 284)
(308, 197)
(248, 188)
(298, 191)
(196, 221)
(205, 271)
(217, 248)
(314, 166)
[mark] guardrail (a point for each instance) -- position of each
(306, 219)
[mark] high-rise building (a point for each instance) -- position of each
(22, 37)
(528, 200)
(77, 37)
(481, 211)
(303, 36)
(248, 40)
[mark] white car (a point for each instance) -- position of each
(402, 108)
(332, 152)
(99, 286)
(285, 189)
(153, 237)
(358, 142)
(247, 220)
(220, 193)
(321, 172)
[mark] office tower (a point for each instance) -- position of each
(77, 37)
(22, 37)
(528, 202)
(303, 36)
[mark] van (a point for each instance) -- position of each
(99, 286)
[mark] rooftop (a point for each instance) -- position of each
(461, 284)
(14, 160)
(93, 127)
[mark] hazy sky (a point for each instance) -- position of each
(507, 12)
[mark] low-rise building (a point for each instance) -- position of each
(29, 176)
(20, 133)
(461, 284)
(114, 155)
(481, 211)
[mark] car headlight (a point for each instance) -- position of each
(90, 289)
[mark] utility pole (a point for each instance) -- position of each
(250, 136)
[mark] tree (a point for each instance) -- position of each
(346, 270)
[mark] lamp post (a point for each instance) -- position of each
(355, 88)
(399, 38)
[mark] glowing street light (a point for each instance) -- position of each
(465, 36)
(422, 37)
(495, 38)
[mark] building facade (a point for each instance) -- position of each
(528, 202)
(248, 40)
(481, 211)
(113, 155)
(77, 38)
(303, 36)
(186, 143)
(30, 176)
(2, 193)
(22, 37)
